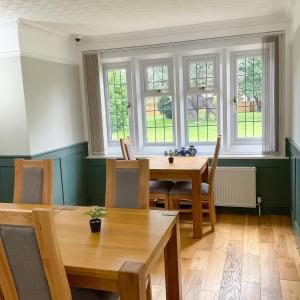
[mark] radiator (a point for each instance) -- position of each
(235, 186)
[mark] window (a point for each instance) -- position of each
(158, 108)
(201, 99)
(247, 109)
(117, 101)
(187, 97)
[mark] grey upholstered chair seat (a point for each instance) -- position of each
(160, 186)
(185, 188)
(88, 294)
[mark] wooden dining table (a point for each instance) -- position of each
(120, 257)
(194, 169)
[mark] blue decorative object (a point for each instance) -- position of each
(183, 151)
(166, 153)
(192, 151)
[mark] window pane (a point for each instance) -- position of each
(249, 96)
(159, 119)
(201, 73)
(157, 77)
(117, 103)
(202, 117)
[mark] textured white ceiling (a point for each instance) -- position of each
(97, 17)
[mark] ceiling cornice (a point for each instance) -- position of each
(197, 31)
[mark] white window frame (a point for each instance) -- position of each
(106, 67)
(144, 64)
(187, 60)
(234, 55)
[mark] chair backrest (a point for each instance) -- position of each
(127, 183)
(214, 162)
(30, 260)
(127, 149)
(33, 181)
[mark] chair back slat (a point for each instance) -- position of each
(214, 162)
(33, 181)
(127, 183)
(127, 148)
(30, 260)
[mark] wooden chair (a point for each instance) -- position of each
(33, 181)
(30, 260)
(127, 183)
(182, 191)
(127, 149)
(127, 186)
(159, 190)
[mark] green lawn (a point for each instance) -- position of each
(249, 125)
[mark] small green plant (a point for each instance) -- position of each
(171, 153)
(96, 212)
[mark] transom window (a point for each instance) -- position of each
(158, 102)
(248, 96)
(157, 77)
(116, 86)
(201, 99)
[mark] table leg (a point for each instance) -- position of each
(197, 205)
(172, 265)
(132, 281)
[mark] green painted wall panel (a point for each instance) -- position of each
(96, 181)
(293, 152)
(272, 181)
(74, 179)
(6, 183)
(70, 183)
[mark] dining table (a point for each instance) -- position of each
(193, 168)
(119, 258)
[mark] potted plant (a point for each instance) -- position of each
(96, 213)
(171, 155)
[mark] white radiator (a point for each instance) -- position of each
(235, 186)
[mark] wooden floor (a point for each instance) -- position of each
(246, 258)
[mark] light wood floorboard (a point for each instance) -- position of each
(247, 257)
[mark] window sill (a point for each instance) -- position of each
(221, 156)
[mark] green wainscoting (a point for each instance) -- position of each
(293, 152)
(81, 181)
(272, 182)
(70, 184)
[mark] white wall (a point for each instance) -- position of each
(14, 138)
(53, 104)
(295, 88)
(295, 71)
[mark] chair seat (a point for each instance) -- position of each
(89, 294)
(185, 188)
(160, 186)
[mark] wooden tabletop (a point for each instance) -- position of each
(180, 163)
(126, 235)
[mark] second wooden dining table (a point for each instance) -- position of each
(184, 168)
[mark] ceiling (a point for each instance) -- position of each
(99, 17)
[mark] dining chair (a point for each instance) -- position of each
(159, 189)
(33, 181)
(182, 191)
(127, 186)
(127, 149)
(127, 183)
(30, 260)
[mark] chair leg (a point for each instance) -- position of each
(211, 213)
(213, 208)
(148, 289)
(171, 203)
(167, 204)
